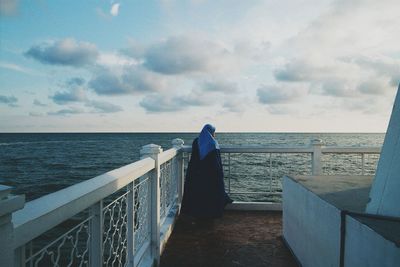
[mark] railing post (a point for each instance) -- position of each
(8, 204)
(153, 152)
(96, 235)
(131, 224)
(179, 167)
(362, 163)
(316, 156)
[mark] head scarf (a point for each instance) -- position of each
(206, 141)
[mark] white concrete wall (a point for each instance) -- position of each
(311, 226)
(364, 247)
(385, 191)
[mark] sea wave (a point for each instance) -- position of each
(49, 142)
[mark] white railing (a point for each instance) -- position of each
(125, 217)
(120, 218)
(254, 173)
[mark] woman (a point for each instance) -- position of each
(204, 192)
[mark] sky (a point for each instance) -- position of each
(172, 66)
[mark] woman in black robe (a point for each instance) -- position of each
(204, 191)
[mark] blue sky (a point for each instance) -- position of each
(303, 65)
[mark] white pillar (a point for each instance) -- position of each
(131, 224)
(96, 234)
(385, 190)
(179, 167)
(153, 152)
(316, 156)
(8, 204)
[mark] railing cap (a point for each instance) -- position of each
(8, 202)
(150, 149)
(177, 143)
(5, 190)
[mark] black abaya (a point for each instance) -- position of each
(204, 191)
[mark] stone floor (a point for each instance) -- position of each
(240, 238)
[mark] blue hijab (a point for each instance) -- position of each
(206, 141)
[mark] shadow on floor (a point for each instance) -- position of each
(240, 238)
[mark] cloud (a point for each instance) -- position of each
(295, 71)
(218, 85)
(188, 54)
(68, 111)
(337, 88)
(96, 107)
(235, 105)
(35, 114)
(373, 87)
(107, 83)
(72, 95)
(8, 100)
(155, 103)
(8, 7)
(132, 80)
(103, 107)
(115, 59)
(278, 95)
(382, 66)
(76, 81)
(369, 104)
(135, 49)
(194, 98)
(339, 78)
(38, 103)
(337, 54)
(66, 52)
(280, 110)
(15, 67)
(115, 9)
(74, 91)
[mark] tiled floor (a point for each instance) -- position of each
(239, 238)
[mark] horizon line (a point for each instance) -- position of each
(189, 132)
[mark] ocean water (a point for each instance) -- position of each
(41, 163)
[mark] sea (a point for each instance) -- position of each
(36, 164)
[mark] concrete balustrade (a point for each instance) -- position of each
(8, 204)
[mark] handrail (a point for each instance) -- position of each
(48, 211)
(167, 155)
(294, 149)
(351, 150)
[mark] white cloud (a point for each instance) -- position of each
(39, 103)
(278, 95)
(185, 54)
(235, 105)
(130, 80)
(9, 100)
(115, 9)
(115, 60)
(346, 52)
(103, 107)
(66, 112)
(155, 103)
(66, 52)
(72, 95)
(15, 67)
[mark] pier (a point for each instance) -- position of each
(126, 217)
